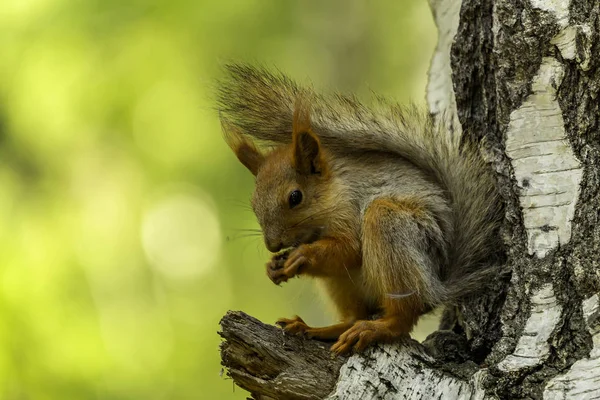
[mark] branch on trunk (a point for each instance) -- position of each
(270, 364)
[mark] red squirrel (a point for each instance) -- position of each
(391, 212)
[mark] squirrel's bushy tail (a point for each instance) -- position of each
(261, 104)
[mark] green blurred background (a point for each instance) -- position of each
(120, 204)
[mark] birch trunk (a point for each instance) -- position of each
(523, 78)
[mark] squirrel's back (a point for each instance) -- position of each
(261, 104)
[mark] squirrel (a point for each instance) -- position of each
(391, 211)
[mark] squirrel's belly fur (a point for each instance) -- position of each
(391, 211)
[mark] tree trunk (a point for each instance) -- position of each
(523, 78)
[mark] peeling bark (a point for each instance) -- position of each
(523, 79)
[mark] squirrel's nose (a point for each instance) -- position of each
(273, 245)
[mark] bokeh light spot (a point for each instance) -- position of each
(181, 234)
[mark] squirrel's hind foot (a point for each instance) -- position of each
(297, 326)
(365, 333)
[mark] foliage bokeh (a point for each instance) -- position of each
(120, 205)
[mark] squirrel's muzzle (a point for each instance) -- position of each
(273, 245)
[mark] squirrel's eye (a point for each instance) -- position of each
(295, 198)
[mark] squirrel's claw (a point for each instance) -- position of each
(276, 274)
(357, 338)
(294, 325)
(365, 333)
(275, 270)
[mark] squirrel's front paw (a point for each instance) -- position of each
(275, 268)
(298, 259)
(286, 265)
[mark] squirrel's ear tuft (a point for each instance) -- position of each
(244, 149)
(308, 157)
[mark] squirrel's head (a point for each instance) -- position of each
(291, 199)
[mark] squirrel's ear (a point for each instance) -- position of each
(244, 149)
(308, 157)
